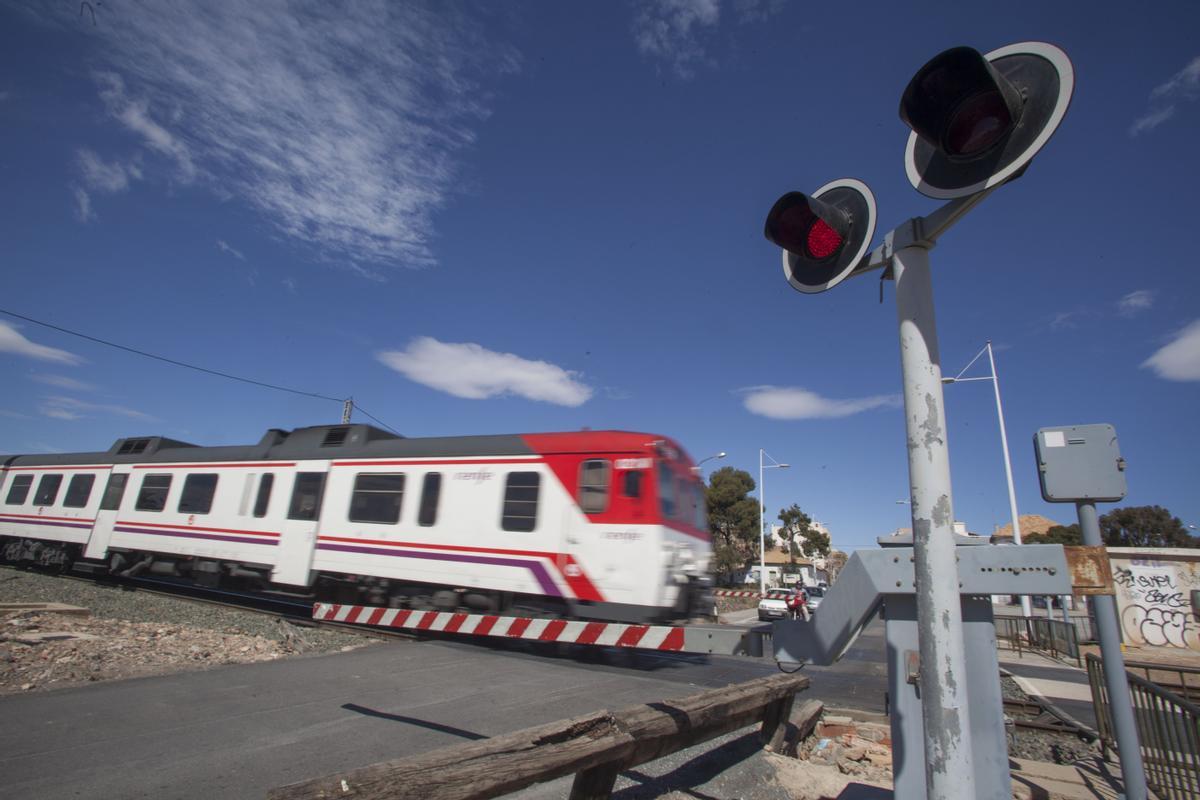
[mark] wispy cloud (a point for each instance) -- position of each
(69, 408)
(471, 371)
(4, 412)
(1183, 85)
(104, 175)
(1180, 359)
(679, 33)
(1064, 320)
(83, 205)
(62, 382)
(793, 402)
(1135, 302)
(12, 341)
(225, 248)
(343, 125)
(674, 31)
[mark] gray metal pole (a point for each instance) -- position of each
(1119, 701)
(949, 770)
(1026, 605)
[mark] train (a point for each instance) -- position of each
(602, 525)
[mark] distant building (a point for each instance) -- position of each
(1030, 523)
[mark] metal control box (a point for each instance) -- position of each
(1080, 463)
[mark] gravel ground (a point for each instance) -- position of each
(134, 633)
(1056, 748)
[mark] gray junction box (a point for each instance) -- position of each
(1080, 463)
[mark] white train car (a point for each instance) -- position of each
(592, 524)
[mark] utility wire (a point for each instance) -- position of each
(218, 373)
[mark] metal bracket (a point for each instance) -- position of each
(870, 575)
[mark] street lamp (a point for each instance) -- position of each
(1026, 607)
(696, 468)
(762, 518)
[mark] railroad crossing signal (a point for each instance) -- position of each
(823, 235)
(979, 120)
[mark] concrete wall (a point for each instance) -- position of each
(1154, 588)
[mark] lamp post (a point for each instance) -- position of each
(1026, 607)
(762, 518)
(696, 468)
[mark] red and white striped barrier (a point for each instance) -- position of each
(608, 634)
(735, 593)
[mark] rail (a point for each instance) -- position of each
(1183, 681)
(1168, 727)
(594, 748)
(1038, 634)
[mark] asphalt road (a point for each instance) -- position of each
(235, 732)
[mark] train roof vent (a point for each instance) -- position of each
(272, 437)
(336, 437)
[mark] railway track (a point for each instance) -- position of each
(1033, 714)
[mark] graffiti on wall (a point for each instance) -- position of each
(1158, 609)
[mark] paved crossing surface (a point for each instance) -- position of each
(235, 732)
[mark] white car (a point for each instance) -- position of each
(774, 604)
(815, 595)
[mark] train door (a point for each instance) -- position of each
(110, 508)
(301, 522)
(602, 542)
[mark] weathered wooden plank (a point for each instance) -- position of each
(597, 746)
(483, 769)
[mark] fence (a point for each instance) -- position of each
(1050, 636)
(1168, 728)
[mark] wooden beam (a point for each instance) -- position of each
(596, 746)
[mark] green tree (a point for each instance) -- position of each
(799, 536)
(732, 519)
(1059, 534)
(1145, 526)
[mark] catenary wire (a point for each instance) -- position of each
(185, 365)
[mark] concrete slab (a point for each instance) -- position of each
(45, 608)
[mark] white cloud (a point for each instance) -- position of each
(11, 341)
(672, 30)
(342, 124)
(1179, 360)
(1183, 85)
(471, 371)
(1065, 319)
(793, 402)
(62, 382)
(1135, 302)
(71, 409)
(225, 248)
(83, 205)
(105, 176)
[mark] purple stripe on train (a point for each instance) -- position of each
(27, 521)
(197, 535)
(539, 571)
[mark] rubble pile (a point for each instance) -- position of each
(859, 749)
(42, 651)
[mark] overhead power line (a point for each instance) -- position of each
(185, 365)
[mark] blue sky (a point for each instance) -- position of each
(541, 216)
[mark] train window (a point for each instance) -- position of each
(197, 494)
(377, 498)
(153, 494)
(47, 490)
(632, 486)
(431, 491)
(520, 501)
(113, 492)
(264, 494)
(666, 490)
(19, 490)
(79, 490)
(306, 496)
(594, 476)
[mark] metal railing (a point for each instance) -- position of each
(1038, 634)
(1168, 728)
(1181, 680)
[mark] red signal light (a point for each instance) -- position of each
(822, 241)
(978, 123)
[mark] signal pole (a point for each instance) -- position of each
(949, 769)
